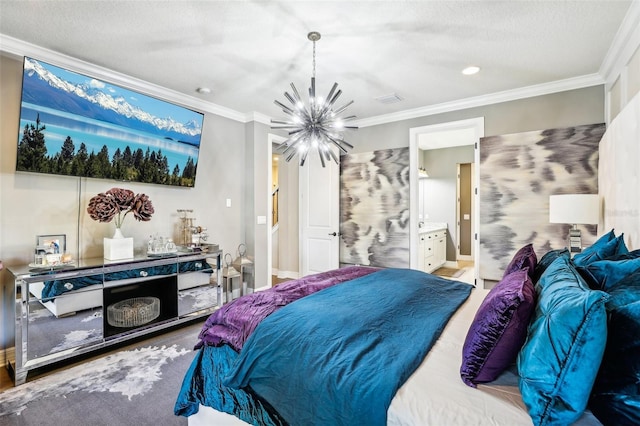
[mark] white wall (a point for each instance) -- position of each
(619, 151)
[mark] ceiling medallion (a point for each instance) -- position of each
(316, 125)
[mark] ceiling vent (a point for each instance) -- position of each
(389, 99)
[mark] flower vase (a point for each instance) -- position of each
(118, 247)
(118, 234)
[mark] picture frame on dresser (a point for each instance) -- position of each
(51, 244)
(49, 250)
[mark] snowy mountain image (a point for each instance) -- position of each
(70, 114)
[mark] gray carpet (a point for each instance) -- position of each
(137, 385)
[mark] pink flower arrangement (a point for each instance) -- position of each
(118, 203)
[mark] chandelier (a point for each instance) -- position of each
(316, 125)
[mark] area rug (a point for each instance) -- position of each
(448, 272)
(137, 385)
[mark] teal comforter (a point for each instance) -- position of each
(338, 356)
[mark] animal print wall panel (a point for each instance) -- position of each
(618, 174)
(374, 208)
(518, 173)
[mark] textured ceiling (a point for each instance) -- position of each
(247, 53)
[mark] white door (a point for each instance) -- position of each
(319, 216)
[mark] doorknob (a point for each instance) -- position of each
(333, 234)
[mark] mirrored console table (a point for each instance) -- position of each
(65, 311)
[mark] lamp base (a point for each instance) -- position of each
(575, 240)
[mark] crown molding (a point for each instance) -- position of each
(624, 44)
(17, 49)
(258, 117)
(493, 98)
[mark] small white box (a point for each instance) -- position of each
(118, 248)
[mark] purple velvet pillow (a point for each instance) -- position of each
(499, 329)
(524, 258)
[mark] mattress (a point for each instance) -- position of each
(435, 394)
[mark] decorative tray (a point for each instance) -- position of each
(54, 266)
(162, 253)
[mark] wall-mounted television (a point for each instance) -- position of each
(75, 125)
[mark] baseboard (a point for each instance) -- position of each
(450, 264)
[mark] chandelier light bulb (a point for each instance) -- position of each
(318, 126)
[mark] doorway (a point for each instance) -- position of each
(444, 135)
(283, 244)
(464, 212)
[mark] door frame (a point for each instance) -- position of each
(477, 126)
(271, 139)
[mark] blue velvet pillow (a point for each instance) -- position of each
(604, 274)
(604, 239)
(524, 258)
(498, 329)
(565, 343)
(629, 255)
(547, 260)
(599, 251)
(615, 398)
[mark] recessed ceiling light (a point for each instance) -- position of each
(471, 70)
(203, 90)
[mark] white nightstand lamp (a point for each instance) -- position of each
(574, 209)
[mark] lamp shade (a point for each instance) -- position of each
(574, 208)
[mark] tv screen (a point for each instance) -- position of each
(72, 124)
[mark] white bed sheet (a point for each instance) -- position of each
(435, 394)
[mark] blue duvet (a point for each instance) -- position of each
(337, 357)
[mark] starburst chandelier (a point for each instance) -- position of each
(314, 126)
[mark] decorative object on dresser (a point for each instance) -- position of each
(50, 251)
(64, 312)
(194, 237)
(316, 126)
(574, 209)
(115, 204)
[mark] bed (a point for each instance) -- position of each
(409, 401)
(283, 356)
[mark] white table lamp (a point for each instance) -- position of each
(574, 209)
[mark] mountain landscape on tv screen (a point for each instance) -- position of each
(103, 119)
